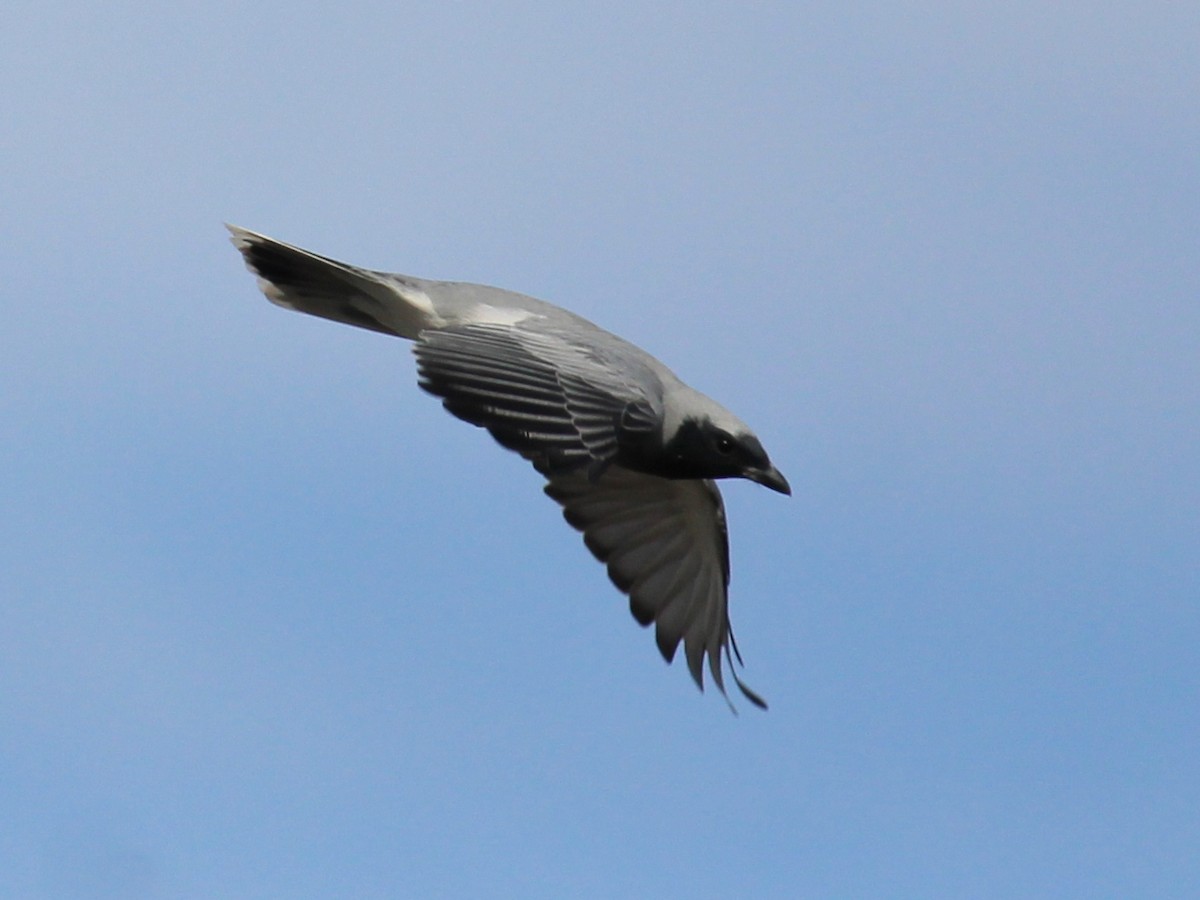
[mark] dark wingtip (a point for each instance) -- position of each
(642, 614)
(749, 694)
(667, 645)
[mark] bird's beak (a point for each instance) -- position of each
(771, 478)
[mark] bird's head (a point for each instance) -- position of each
(708, 447)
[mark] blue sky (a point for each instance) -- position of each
(273, 624)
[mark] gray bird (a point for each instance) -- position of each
(627, 449)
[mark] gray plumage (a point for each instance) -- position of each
(627, 449)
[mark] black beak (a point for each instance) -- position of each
(771, 478)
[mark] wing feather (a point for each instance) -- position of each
(665, 544)
(519, 386)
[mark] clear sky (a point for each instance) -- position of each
(272, 624)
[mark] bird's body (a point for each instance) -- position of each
(627, 448)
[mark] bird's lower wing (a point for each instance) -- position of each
(665, 544)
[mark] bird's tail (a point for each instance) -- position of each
(303, 281)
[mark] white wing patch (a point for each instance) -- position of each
(486, 314)
(418, 300)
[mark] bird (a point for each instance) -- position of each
(629, 451)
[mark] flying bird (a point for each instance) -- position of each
(629, 451)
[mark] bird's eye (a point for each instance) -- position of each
(725, 444)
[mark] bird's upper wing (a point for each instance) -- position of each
(537, 394)
(666, 546)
